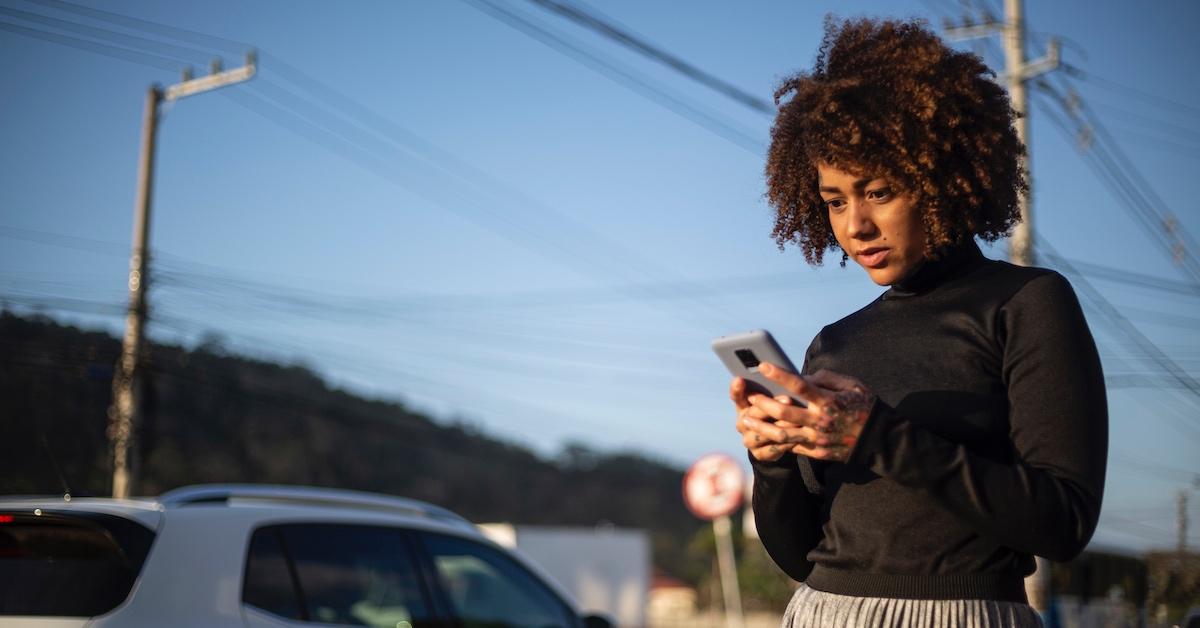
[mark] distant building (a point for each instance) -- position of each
(606, 569)
(671, 601)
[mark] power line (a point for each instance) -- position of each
(1182, 247)
(414, 380)
(567, 229)
(114, 52)
(1132, 526)
(196, 36)
(498, 223)
(188, 274)
(133, 41)
(369, 119)
(66, 304)
(1128, 185)
(1144, 96)
(1167, 146)
(290, 399)
(1167, 319)
(1140, 201)
(136, 57)
(204, 39)
(77, 243)
(1117, 381)
(1174, 130)
(332, 134)
(1156, 467)
(1156, 133)
(590, 19)
(623, 75)
(652, 291)
(1130, 278)
(335, 136)
(1171, 370)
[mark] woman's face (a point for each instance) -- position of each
(878, 228)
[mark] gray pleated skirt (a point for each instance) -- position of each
(811, 608)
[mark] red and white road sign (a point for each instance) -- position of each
(713, 486)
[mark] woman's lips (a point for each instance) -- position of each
(873, 257)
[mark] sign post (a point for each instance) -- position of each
(712, 490)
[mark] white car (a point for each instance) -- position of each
(254, 556)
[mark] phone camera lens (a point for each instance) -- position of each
(747, 357)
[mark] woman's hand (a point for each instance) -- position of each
(827, 428)
(759, 445)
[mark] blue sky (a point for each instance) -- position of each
(550, 260)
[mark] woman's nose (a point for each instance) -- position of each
(859, 223)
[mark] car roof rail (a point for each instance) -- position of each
(305, 495)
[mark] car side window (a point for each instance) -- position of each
(268, 583)
(490, 590)
(335, 574)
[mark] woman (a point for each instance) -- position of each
(956, 426)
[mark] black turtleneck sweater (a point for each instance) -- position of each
(986, 446)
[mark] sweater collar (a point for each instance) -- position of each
(953, 262)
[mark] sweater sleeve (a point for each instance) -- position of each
(786, 513)
(788, 507)
(1046, 501)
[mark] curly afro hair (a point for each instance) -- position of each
(890, 99)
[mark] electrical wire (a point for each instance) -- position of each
(364, 150)
(226, 287)
(1158, 224)
(1173, 130)
(369, 119)
(1129, 278)
(134, 42)
(125, 54)
(1132, 190)
(555, 248)
(1156, 467)
(114, 52)
(625, 76)
(1171, 370)
(589, 18)
(1155, 211)
(203, 39)
(1147, 97)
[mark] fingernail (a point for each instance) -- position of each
(748, 422)
(764, 368)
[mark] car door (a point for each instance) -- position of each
(306, 574)
(486, 588)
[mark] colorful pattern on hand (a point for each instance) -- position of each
(845, 416)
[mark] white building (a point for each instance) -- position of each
(606, 569)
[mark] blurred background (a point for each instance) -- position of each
(428, 241)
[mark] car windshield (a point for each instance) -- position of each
(62, 565)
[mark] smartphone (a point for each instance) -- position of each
(742, 353)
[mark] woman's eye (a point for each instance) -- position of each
(835, 204)
(881, 194)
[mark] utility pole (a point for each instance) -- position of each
(1016, 72)
(1182, 523)
(124, 415)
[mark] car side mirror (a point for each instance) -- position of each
(597, 621)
